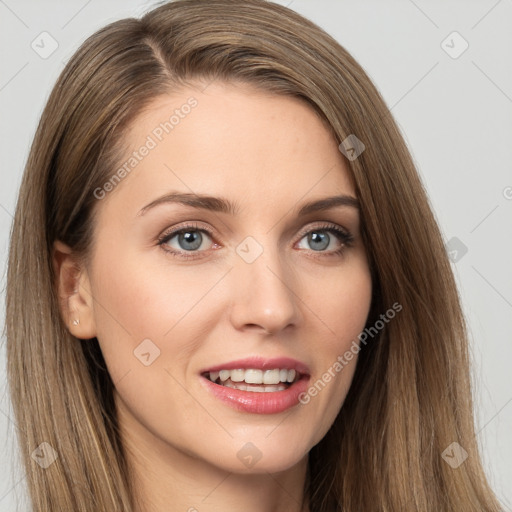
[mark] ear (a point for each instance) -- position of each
(74, 292)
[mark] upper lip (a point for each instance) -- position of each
(260, 363)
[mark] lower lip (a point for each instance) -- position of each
(272, 402)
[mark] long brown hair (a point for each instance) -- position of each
(410, 397)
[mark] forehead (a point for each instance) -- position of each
(236, 141)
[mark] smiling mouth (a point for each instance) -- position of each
(258, 381)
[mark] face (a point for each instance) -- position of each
(222, 289)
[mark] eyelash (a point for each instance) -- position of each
(344, 236)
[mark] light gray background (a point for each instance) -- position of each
(456, 116)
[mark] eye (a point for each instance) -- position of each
(187, 239)
(330, 239)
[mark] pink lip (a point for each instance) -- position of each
(259, 403)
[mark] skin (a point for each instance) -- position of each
(269, 154)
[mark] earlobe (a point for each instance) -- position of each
(73, 292)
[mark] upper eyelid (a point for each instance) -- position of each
(192, 226)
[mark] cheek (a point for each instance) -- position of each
(348, 307)
(164, 304)
(342, 304)
(341, 301)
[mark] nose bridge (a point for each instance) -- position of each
(264, 289)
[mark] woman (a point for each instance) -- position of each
(226, 286)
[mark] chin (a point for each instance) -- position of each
(260, 456)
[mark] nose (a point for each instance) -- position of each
(264, 297)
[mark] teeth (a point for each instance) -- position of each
(237, 375)
(271, 377)
(256, 389)
(252, 376)
(274, 388)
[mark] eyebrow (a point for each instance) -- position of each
(219, 204)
